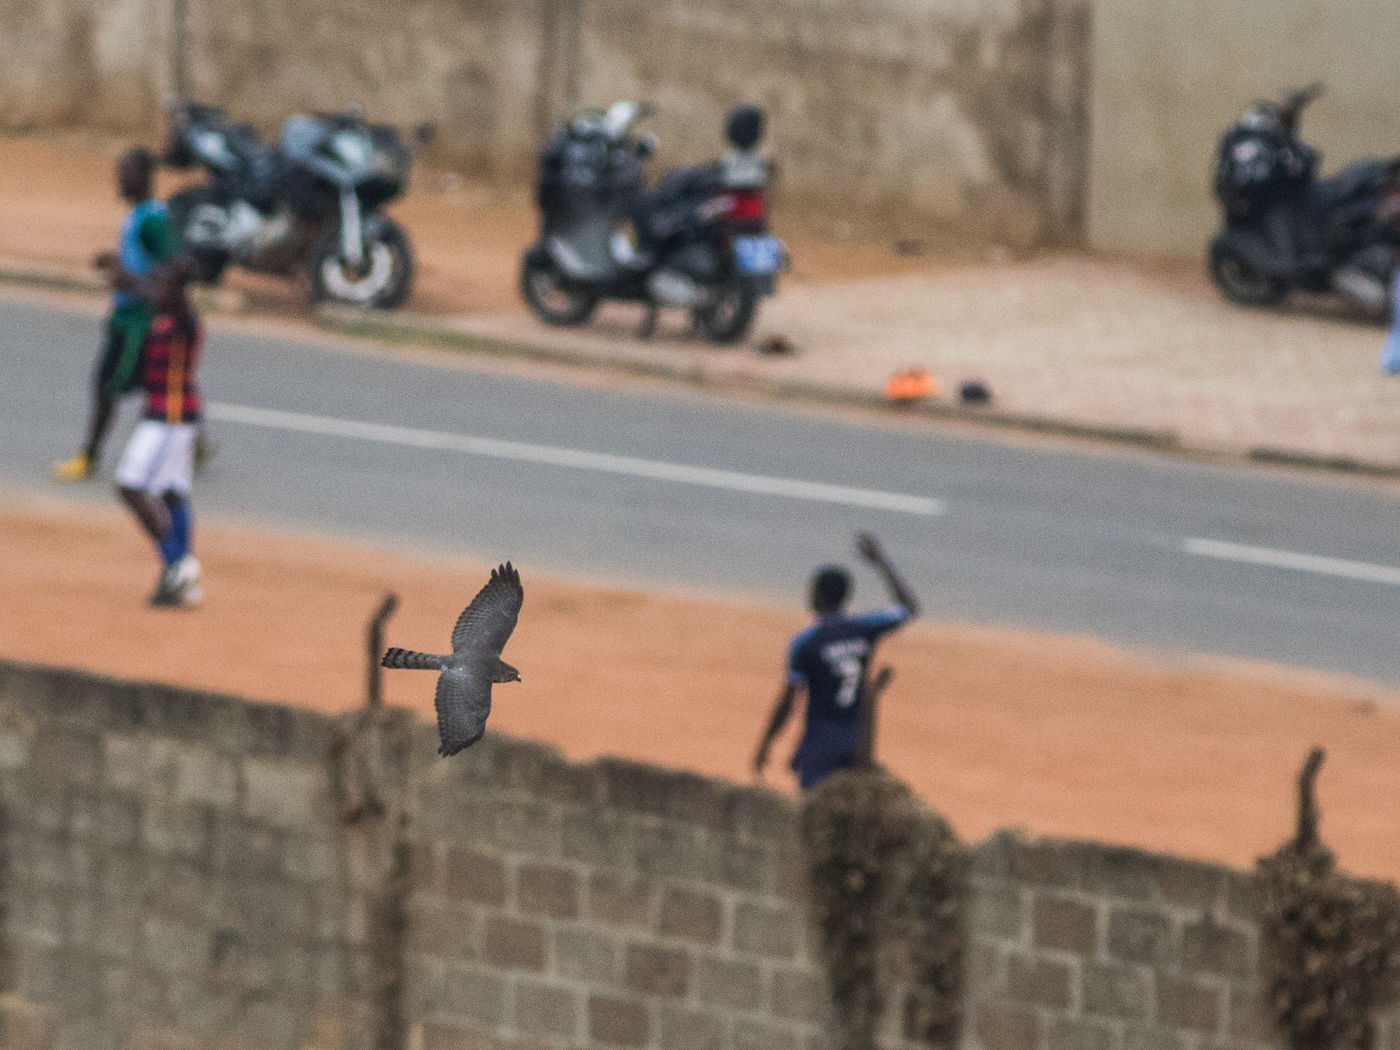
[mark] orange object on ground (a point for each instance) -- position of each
(910, 384)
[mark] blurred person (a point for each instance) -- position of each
(155, 472)
(146, 241)
(1389, 212)
(829, 661)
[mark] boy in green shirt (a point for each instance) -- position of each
(146, 241)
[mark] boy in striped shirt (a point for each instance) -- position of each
(153, 477)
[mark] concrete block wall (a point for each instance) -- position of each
(610, 904)
(1082, 945)
(180, 870)
(168, 866)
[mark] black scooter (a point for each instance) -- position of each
(698, 241)
(1285, 229)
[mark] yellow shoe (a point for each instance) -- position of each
(79, 468)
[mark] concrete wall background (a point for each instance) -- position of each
(1169, 76)
(187, 871)
(957, 113)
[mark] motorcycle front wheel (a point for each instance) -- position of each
(551, 296)
(1239, 281)
(382, 280)
(209, 262)
(728, 317)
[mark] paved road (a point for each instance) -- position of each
(697, 492)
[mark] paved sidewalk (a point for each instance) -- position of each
(1066, 344)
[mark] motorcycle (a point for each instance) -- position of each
(699, 239)
(310, 202)
(1286, 229)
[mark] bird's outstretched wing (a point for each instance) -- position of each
(463, 702)
(486, 623)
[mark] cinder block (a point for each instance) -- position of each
(443, 930)
(1191, 1005)
(528, 826)
(124, 762)
(170, 830)
(514, 944)
(1119, 872)
(692, 915)
(67, 753)
(311, 859)
(284, 795)
(1063, 924)
(615, 900)
(1193, 884)
(547, 1011)
(472, 993)
(685, 1028)
(1143, 1037)
(751, 1034)
(109, 818)
(670, 794)
(653, 970)
(1038, 982)
(997, 909)
(586, 955)
(475, 878)
(1067, 1033)
(1005, 1027)
(174, 948)
(546, 889)
(732, 984)
(597, 837)
(747, 866)
(769, 931)
(1139, 935)
(1209, 947)
(617, 1021)
(1116, 992)
(672, 851)
(760, 816)
(1045, 863)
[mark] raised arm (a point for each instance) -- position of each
(781, 711)
(870, 549)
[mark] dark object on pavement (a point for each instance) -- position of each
(974, 392)
(777, 346)
(463, 698)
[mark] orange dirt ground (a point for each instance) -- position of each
(1063, 736)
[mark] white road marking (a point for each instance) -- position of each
(576, 459)
(1350, 570)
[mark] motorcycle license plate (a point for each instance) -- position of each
(760, 254)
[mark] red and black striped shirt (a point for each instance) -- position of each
(170, 357)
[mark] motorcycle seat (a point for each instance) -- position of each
(1361, 179)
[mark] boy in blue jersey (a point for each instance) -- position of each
(146, 242)
(829, 660)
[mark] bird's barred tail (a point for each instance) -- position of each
(410, 660)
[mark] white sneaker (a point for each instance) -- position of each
(184, 582)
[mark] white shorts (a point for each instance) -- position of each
(159, 458)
